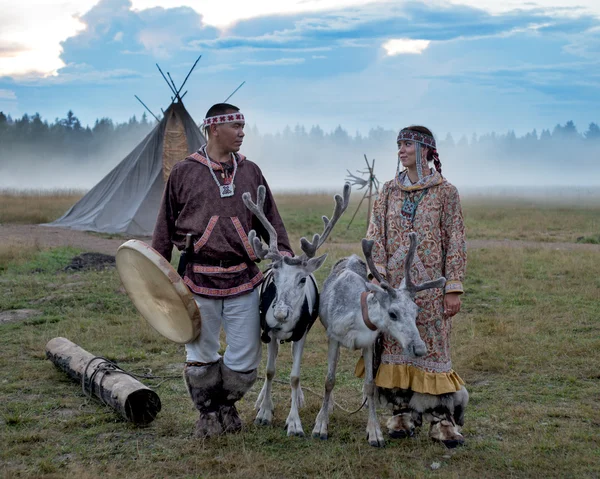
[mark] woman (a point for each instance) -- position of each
(420, 199)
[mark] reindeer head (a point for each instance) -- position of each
(290, 273)
(394, 310)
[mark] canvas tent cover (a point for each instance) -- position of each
(126, 200)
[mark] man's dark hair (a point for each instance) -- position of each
(220, 109)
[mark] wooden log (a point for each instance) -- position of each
(132, 399)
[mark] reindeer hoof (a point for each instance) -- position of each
(376, 443)
(295, 433)
(402, 433)
(321, 436)
(262, 422)
(453, 443)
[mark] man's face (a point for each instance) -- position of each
(229, 136)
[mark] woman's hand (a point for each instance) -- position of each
(451, 304)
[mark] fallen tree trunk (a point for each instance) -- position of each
(113, 386)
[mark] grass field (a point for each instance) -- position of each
(527, 343)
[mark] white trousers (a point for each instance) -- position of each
(240, 319)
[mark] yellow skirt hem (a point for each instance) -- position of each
(405, 376)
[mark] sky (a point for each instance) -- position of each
(458, 66)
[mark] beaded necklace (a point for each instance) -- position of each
(227, 189)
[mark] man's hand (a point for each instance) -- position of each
(451, 304)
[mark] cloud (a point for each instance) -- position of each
(278, 61)
(30, 35)
(7, 95)
(404, 46)
(83, 74)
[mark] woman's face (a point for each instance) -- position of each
(407, 153)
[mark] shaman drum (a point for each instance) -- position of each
(158, 292)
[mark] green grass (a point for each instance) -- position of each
(532, 220)
(527, 342)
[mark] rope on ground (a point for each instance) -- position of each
(306, 388)
(106, 366)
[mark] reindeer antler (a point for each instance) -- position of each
(272, 252)
(310, 248)
(411, 287)
(356, 180)
(367, 247)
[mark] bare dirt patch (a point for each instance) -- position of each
(97, 261)
(47, 237)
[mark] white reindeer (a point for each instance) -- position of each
(354, 312)
(294, 307)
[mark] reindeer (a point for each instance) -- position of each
(354, 312)
(294, 307)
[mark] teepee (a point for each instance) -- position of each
(126, 200)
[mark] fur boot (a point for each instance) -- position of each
(235, 385)
(204, 384)
(404, 419)
(446, 413)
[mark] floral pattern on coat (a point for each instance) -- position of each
(441, 251)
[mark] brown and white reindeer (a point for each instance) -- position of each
(354, 312)
(289, 303)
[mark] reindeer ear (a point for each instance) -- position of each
(315, 263)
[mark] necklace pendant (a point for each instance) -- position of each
(226, 190)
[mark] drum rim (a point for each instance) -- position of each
(163, 266)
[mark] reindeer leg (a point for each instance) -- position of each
(322, 421)
(264, 403)
(374, 435)
(293, 423)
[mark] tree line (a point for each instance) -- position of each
(69, 136)
(318, 156)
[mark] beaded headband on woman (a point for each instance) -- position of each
(236, 117)
(409, 135)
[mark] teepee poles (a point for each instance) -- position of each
(241, 85)
(149, 110)
(188, 75)
(165, 78)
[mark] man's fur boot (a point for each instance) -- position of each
(204, 384)
(235, 385)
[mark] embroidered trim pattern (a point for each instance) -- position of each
(207, 232)
(408, 135)
(198, 268)
(454, 287)
(240, 230)
(224, 292)
(430, 366)
(227, 118)
(217, 167)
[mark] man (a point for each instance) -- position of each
(203, 196)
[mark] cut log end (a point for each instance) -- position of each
(128, 396)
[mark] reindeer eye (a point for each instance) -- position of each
(302, 280)
(393, 316)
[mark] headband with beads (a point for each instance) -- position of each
(236, 117)
(409, 135)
